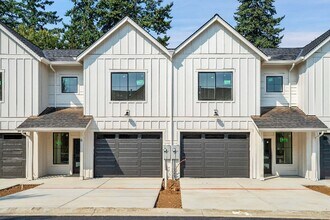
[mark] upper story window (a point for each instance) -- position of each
(283, 148)
(1, 86)
(215, 86)
(69, 84)
(274, 84)
(128, 86)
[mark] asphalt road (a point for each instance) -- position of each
(124, 218)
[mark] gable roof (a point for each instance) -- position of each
(28, 45)
(218, 19)
(124, 21)
(62, 55)
(315, 45)
(282, 53)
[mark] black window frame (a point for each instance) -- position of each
(277, 150)
(267, 88)
(62, 153)
(1, 85)
(215, 86)
(129, 97)
(69, 77)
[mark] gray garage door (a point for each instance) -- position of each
(325, 156)
(215, 155)
(128, 155)
(12, 156)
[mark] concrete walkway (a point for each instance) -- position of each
(284, 194)
(70, 192)
(6, 183)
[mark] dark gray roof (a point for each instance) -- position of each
(30, 45)
(282, 53)
(57, 118)
(312, 45)
(286, 117)
(61, 55)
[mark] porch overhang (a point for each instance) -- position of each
(57, 120)
(287, 119)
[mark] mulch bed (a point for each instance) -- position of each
(170, 197)
(16, 189)
(322, 189)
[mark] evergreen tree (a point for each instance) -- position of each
(35, 15)
(82, 31)
(10, 13)
(149, 14)
(256, 22)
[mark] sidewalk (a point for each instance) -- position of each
(159, 212)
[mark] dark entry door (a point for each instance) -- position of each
(325, 156)
(76, 156)
(268, 156)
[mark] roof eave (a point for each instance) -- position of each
(42, 129)
(292, 129)
(316, 49)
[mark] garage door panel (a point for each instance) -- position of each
(325, 156)
(135, 155)
(226, 156)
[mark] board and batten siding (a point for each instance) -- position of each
(279, 98)
(314, 85)
(216, 49)
(65, 99)
(21, 74)
(127, 50)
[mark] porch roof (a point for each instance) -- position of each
(71, 119)
(287, 118)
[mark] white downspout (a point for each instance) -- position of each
(55, 84)
(290, 96)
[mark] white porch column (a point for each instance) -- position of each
(35, 150)
(82, 142)
(29, 156)
(312, 156)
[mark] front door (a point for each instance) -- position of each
(267, 156)
(76, 156)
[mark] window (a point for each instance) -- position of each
(61, 148)
(215, 86)
(69, 84)
(274, 84)
(283, 148)
(127, 87)
(1, 86)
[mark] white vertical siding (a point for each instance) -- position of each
(21, 84)
(65, 99)
(283, 98)
(314, 89)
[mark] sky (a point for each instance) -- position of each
(304, 19)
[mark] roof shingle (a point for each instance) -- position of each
(282, 53)
(286, 117)
(57, 118)
(61, 55)
(312, 45)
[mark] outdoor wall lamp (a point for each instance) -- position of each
(216, 113)
(127, 113)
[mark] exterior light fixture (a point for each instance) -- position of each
(127, 113)
(216, 113)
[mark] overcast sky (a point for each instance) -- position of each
(304, 19)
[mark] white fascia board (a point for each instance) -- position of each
(114, 29)
(292, 129)
(50, 129)
(316, 49)
(279, 62)
(217, 18)
(65, 63)
(21, 43)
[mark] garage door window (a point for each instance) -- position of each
(215, 86)
(61, 148)
(127, 87)
(283, 148)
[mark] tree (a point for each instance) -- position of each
(82, 31)
(149, 14)
(10, 13)
(256, 22)
(45, 39)
(34, 14)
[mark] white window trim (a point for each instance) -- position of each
(2, 71)
(69, 93)
(197, 71)
(109, 86)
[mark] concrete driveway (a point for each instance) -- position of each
(70, 192)
(287, 194)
